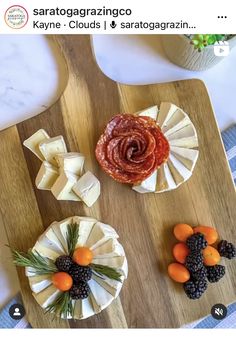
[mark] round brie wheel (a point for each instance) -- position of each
(182, 136)
(102, 240)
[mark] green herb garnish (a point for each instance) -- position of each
(62, 306)
(112, 273)
(72, 237)
(33, 259)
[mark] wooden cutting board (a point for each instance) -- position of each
(149, 299)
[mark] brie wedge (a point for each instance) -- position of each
(87, 308)
(72, 162)
(107, 251)
(113, 287)
(87, 188)
(182, 136)
(62, 188)
(46, 176)
(101, 298)
(45, 251)
(60, 229)
(50, 240)
(148, 185)
(47, 296)
(110, 248)
(32, 143)
(51, 147)
(100, 234)
(149, 112)
(39, 282)
(165, 113)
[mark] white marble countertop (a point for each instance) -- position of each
(33, 74)
(140, 59)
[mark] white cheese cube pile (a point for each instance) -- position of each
(182, 136)
(62, 172)
(102, 239)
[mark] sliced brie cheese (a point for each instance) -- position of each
(50, 240)
(117, 262)
(32, 143)
(51, 147)
(170, 129)
(62, 188)
(176, 165)
(72, 162)
(169, 178)
(148, 185)
(46, 296)
(110, 248)
(165, 113)
(40, 282)
(46, 176)
(149, 112)
(101, 297)
(85, 228)
(186, 137)
(161, 183)
(100, 234)
(177, 118)
(188, 157)
(78, 309)
(46, 252)
(29, 271)
(87, 188)
(60, 229)
(87, 307)
(111, 286)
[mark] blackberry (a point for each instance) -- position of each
(215, 273)
(226, 249)
(194, 262)
(80, 273)
(63, 263)
(200, 274)
(196, 242)
(195, 289)
(79, 291)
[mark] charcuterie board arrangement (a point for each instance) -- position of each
(136, 141)
(76, 268)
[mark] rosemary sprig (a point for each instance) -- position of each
(72, 237)
(62, 306)
(33, 259)
(107, 271)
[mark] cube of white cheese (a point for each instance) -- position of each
(72, 162)
(51, 147)
(32, 143)
(62, 188)
(46, 176)
(88, 188)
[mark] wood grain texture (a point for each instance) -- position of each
(149, 299)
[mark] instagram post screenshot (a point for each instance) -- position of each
(117, 167)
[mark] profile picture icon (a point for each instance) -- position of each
(17, 311)
(16, 17)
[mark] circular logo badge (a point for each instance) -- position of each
(16, 17)
(219, 311)
(17, 311)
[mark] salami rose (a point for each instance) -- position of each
(131, 148)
